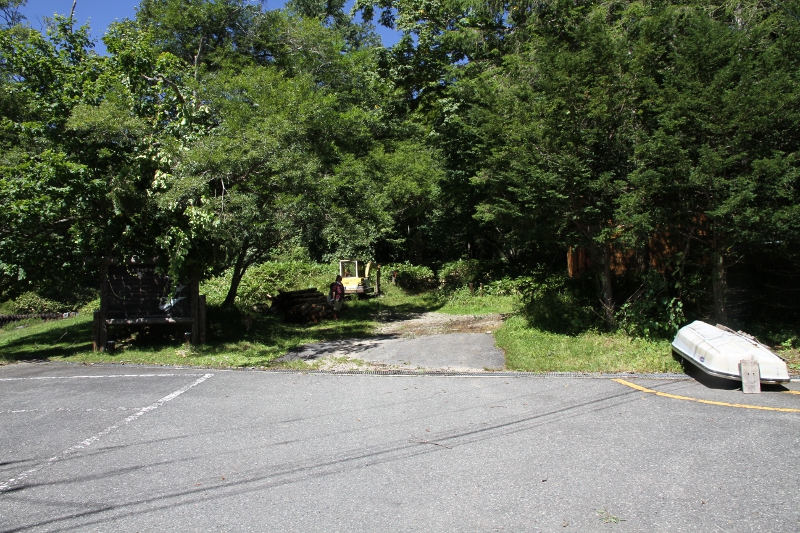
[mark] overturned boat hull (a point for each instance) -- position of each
(718, 352)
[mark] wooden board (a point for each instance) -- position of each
(134, 293)
(138, 291)
(751, 376)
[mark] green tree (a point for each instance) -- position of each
(559, 116)
(50, 200)
(717, 153)
(9, 11)
(380, 204)
(246, 188)
(202, 33)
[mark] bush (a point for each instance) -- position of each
(558, 304)
(410, 277)
(508, 286)
(502, 287)
(651, 311)
(460, 273)
(461, 295)
(31, 303)
(269, 278)
(775, 333)
(89, 307)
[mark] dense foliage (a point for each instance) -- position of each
(652, 144)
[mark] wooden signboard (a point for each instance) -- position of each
(132, 292)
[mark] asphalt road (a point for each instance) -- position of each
(124, 448)
(447, 352)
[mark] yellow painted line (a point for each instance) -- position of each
(792, 391)
(709, 402)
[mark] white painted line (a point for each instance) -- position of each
(66, 410)
(5, 486)
(103, 376)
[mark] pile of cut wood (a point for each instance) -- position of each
(307, 305)
(5, 319)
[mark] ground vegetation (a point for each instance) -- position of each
(622, 166)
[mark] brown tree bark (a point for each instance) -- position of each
(239, 270)
(601, 258)
(719, 285)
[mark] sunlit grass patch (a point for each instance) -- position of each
(481, 305)
(36, 339)
(533, 350)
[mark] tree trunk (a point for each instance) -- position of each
(719, 284)
(238, 273)
(601, 257)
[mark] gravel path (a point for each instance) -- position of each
(425, 341)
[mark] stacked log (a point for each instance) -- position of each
(307, 305)
(5, 319)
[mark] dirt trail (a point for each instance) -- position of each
(440, 323)
(422, 340)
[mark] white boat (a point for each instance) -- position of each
(718, 351)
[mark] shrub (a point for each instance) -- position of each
(410, 277)
(461, 295)
(269, 278)
(460, 273)
(558, 304)
(89, 307)
(651, 311)
(776, 333)
(31, 303)
(508, 286)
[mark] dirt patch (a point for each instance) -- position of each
(439, 323)
(353, 354)
(792, 358)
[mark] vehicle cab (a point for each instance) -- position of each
(355, 276)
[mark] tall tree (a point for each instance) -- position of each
(50, 202)
(560, 112)
(203, 33)
(9, 11)
(717, 156)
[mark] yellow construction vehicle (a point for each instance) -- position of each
(356, 277)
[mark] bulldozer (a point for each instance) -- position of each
(356, 277)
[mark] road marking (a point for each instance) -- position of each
(102, 376)
(792, 391)
(66, 410)
(5, 486)
(709, 402)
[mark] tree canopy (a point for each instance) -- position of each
(654, 144)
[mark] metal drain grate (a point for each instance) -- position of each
(448, 373)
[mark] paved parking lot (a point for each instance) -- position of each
(122, 448)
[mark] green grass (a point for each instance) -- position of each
(237, 338)
(481, 305)
(245, 339)
(538, 351)
(36, 339)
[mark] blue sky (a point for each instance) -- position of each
(101, 13)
